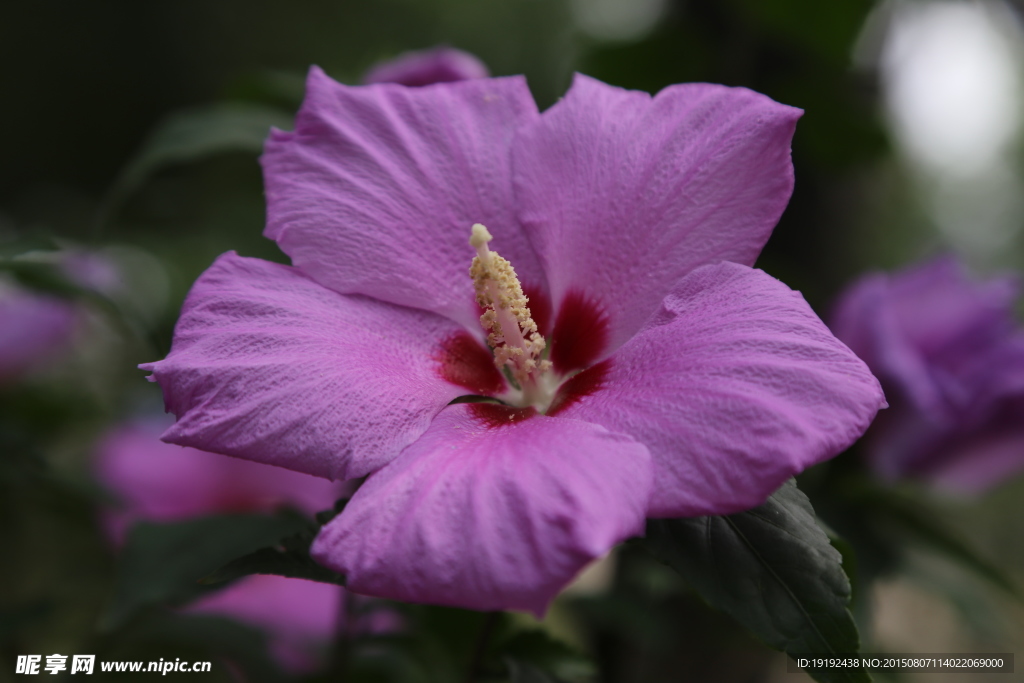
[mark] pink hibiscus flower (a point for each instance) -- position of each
(951, 357)
(652, 371)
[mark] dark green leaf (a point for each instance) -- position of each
(42, 277)
(771, 568)
(289, 557)
(849, 561)
(195, 134)
(163, 563)
(291, 563)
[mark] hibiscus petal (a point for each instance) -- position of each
(488, 516)
(734, 386)
(865, 320)
(376, 190)
(622, 194)
(269, 366)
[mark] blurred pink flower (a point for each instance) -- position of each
(161, 482)
(677, 381)
(951, 359)
(301, 617)
(425, 67)
(34, 328)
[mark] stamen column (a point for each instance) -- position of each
(511, 330)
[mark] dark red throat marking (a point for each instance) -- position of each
(464, 361)
(540, 308)
(579, 385)
(580, 335)
(495, 415)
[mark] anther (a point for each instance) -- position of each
(511, 330)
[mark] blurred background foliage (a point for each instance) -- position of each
(131, 131)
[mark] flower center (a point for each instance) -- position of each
(511, 331)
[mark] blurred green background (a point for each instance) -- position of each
(133, 129)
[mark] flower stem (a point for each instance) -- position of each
(487, 629)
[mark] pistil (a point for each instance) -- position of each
(511, 330)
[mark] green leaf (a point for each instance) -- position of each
(288, 557)
(41, 276)
(39, 271)
(162, 563)
(771, 568)
(293, 563)
(194, 134)
(849, 559)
